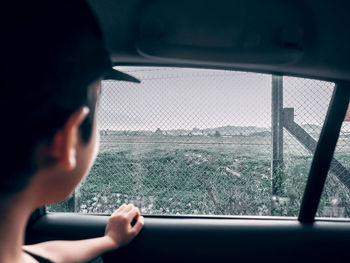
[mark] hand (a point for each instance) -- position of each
(119, 228)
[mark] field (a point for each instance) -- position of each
(200, 175)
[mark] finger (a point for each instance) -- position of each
(128, 208)
(119, 210)
(138, 225)
(134, 213)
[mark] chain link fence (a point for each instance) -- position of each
(197, 141)
(308, 101)
(335, 201)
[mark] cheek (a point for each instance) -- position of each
(68, 180)
(92, 149)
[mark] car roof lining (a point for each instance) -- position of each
(300, 37)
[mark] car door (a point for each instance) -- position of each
(225, 165)
(222, 192)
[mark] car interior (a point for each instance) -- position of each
(300, 38)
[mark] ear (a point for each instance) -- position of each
(65, 141)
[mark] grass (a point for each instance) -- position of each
(217, 176)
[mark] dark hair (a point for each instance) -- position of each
(51, 52)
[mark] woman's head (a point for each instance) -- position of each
(53, 57)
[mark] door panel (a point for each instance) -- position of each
(182, 239)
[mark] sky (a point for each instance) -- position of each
(182, 98)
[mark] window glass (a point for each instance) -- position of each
(203, 142)
(306, 103)
(335, 201)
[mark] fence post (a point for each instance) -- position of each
(277, 134)
(73, 202)
(77, 199)
(70, 202)
(310, 143)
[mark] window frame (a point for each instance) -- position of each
(320, 164)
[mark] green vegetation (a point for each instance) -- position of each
(214, 176)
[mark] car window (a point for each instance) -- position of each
(203, 142)
(335, 200)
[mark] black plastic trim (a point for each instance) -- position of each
(208, 240)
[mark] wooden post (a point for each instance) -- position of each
(77, 199)
(73, 202)
(70, 202)
(277, 134)
(310, 143)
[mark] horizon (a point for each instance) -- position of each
(209, 128)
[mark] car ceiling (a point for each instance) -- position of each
(293, 37)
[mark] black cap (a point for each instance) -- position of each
(51, 52)
(59, 37)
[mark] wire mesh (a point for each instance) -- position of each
(310, 100)
(198, 141)
(189, 137)
(335, 200)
